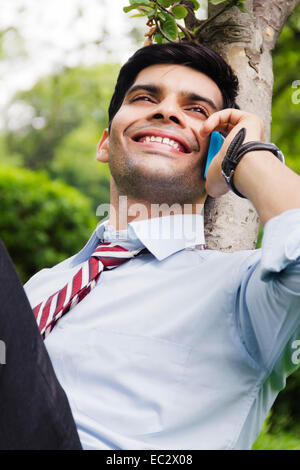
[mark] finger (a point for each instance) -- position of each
(225, 129)
(221, 120)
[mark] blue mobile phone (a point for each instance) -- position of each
(216, 142)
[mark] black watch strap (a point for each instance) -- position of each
(237, 150)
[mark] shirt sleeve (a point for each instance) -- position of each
(268, 297)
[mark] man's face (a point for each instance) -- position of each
(155, 150)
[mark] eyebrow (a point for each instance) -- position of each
(156, 90)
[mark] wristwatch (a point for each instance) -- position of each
(237, 150)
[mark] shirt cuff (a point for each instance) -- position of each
(280, 243)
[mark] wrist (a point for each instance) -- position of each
(237, 151)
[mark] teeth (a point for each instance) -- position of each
(164, 140)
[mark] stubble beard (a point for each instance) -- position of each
(156, 187)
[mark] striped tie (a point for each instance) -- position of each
(106, 256)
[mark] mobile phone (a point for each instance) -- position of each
(216, 142)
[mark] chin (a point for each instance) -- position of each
(158, 189)
(153, 178)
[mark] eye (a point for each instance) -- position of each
(199, 109)
(142, 98)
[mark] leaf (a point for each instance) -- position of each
(166, 3)
(196, 4)
(136, 4)
(216, 2)
(169, 27)
(129, 8)
(243, 9)
(150, 13)
(180, 12)
(162, 16)
(138, 15)
(159, 39)
(144, 3)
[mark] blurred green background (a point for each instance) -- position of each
(51, 185)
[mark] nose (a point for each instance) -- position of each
(168, 111)
(171, 118)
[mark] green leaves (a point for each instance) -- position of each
(196, 4)
(129, 8)
(216, 2)
(42, 221)
(146, 3)
(163, 16)
(159, 39)
(240, 4)
(136, 4)
(169, 27)
(179, 12)
(166, 3)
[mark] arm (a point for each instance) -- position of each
(271, 186)
(267, 308)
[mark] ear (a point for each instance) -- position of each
(102, 147)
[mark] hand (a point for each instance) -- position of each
(228, 122)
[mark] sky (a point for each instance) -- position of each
(53, 33)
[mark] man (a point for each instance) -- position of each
(179, 347)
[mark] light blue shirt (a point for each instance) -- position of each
(180, 348)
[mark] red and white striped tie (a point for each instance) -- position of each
(105, 256)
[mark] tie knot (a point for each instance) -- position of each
(112, 255)
(107, 247)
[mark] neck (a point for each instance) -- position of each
(124, 209)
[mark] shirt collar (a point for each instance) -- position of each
(162, 236)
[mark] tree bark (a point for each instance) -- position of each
(246, 43)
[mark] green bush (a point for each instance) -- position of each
(42, 222)
(281, 440)
(74, 162)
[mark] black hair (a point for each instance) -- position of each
(194, 55)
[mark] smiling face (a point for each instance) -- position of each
(154, 148)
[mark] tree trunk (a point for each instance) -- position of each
(246, 43)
